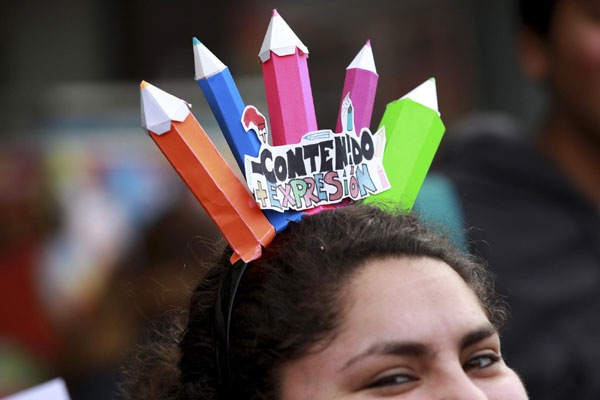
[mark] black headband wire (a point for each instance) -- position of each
(222, 321)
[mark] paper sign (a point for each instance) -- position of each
(324, 168)
(51, 390)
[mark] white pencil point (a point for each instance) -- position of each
(364, 59)
(159, 108)
(206, 64)
(425, 94)
(280, 39)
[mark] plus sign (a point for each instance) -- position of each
(261, 195)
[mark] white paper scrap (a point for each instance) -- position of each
(51, 390)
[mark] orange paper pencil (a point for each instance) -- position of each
(171, 125)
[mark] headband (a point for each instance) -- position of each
(295, 169)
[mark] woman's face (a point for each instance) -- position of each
(572, 62)
(412, 329)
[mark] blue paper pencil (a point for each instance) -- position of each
(227, 105)
(225, 102)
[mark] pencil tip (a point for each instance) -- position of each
(364, 59)
(160, 108)
(280, 39)
(206, 64)
(425, 94)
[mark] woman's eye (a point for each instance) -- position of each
(481, 361)
(389, 380)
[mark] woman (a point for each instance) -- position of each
(354, 303)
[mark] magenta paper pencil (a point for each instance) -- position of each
(287, 83)
(361, 84)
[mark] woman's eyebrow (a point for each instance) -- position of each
(419, 350)
(411, 349)
(477, 335)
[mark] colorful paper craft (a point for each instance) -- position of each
(227, 105)
(414, 130)
(225, 101)
(300, 170)
(188, 148)
(360, 85)
(287, 83)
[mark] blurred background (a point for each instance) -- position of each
(99, 238)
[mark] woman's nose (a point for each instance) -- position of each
(458, 385)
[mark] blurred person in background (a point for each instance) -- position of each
(533, 206)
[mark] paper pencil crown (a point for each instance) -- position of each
(291, 167)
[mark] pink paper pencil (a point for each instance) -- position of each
(287, 84)
(361, 83)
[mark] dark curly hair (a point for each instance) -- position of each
(289, 301)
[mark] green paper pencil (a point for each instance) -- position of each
(414, 130)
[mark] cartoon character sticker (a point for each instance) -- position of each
(252, 119)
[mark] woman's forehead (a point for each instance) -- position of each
(410, 295)
(415, 274)
(397, 302)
